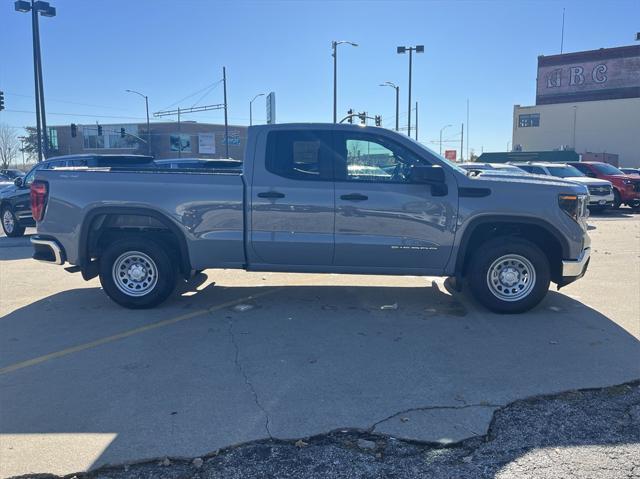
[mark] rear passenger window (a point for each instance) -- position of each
(302, 155)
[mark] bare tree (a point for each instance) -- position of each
(9, 145)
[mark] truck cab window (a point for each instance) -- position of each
(376, 160)
(301, 155)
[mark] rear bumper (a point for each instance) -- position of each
(48, 250)
(574, 269)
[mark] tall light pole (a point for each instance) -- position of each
(46, 10)
(397, 89)
(403, 50)
(146, 104)
(251, 108)
(441, 130)
(334, 46)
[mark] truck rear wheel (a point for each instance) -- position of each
(137, 273)
(509, 275)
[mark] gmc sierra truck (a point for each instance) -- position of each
(315, 198)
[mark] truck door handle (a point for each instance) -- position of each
(270, 194)
(354, 197)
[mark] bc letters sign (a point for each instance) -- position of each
(604, 74)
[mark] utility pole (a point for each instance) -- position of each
(146, 104)
(462, 142)
(334, 54)
(226, 122)
(397, 89)
(179, 136)
(46, 10)
(441, 130)
(416, 121)
(562, 35)
(468, 129)
(402, 50)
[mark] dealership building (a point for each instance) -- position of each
(588, 102)
(186, 139)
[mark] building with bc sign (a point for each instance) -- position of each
(585, 101)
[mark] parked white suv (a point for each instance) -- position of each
(600, 191)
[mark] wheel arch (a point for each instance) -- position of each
(538, 231)
(96, 223)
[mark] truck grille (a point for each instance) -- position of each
(636, 186)
(603, 190)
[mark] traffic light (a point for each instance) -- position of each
(378, 120)
(121, 132)
(1, 100)
(74, 130)
(363, 117)
(99, 130)
(350, 112)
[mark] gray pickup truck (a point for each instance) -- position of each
(316, 198)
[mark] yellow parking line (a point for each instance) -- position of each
(125, 334)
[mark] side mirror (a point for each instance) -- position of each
(19, 182)
(427, 174)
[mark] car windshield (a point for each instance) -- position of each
(564, 171)
(607, 169)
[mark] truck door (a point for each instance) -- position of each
(292, 200)
(383, 219)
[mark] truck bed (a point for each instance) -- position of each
(210, 209)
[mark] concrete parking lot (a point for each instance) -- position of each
(240, 357)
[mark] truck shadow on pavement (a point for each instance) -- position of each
(229, 365)
(15, 248)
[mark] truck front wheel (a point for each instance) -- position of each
(509, 275)
(137, 273)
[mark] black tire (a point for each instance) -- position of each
(490, 252)
(617, 201)
(17, 230)
(156, 257)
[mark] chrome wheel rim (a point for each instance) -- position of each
(7, 221)
(135, 273)
(511, 277)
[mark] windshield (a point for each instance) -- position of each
(607, 169)
(564, 171)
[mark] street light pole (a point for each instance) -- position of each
(402, 50)
(146, 104)
(251, 108)
(334, 47)
(441, 130)
(397, 89)
(46, 10)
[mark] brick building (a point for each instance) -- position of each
(168, 139)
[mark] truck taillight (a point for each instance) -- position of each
(39, 192)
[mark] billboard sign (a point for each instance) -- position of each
(206, 143)
(271, 108)
(233, 138)
(450, 155)
(180, 142)
(605, 74)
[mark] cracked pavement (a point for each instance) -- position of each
(315, 354)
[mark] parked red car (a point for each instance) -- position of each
(626, 188)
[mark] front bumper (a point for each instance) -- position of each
(574, 269)
(48, 250)
(596, 200)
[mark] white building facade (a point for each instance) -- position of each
(586, 101)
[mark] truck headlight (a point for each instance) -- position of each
(573, 205)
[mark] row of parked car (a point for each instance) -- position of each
(15, 203)
(609, 187)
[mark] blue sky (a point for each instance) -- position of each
(482, 50)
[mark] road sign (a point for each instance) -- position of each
(450, 154)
